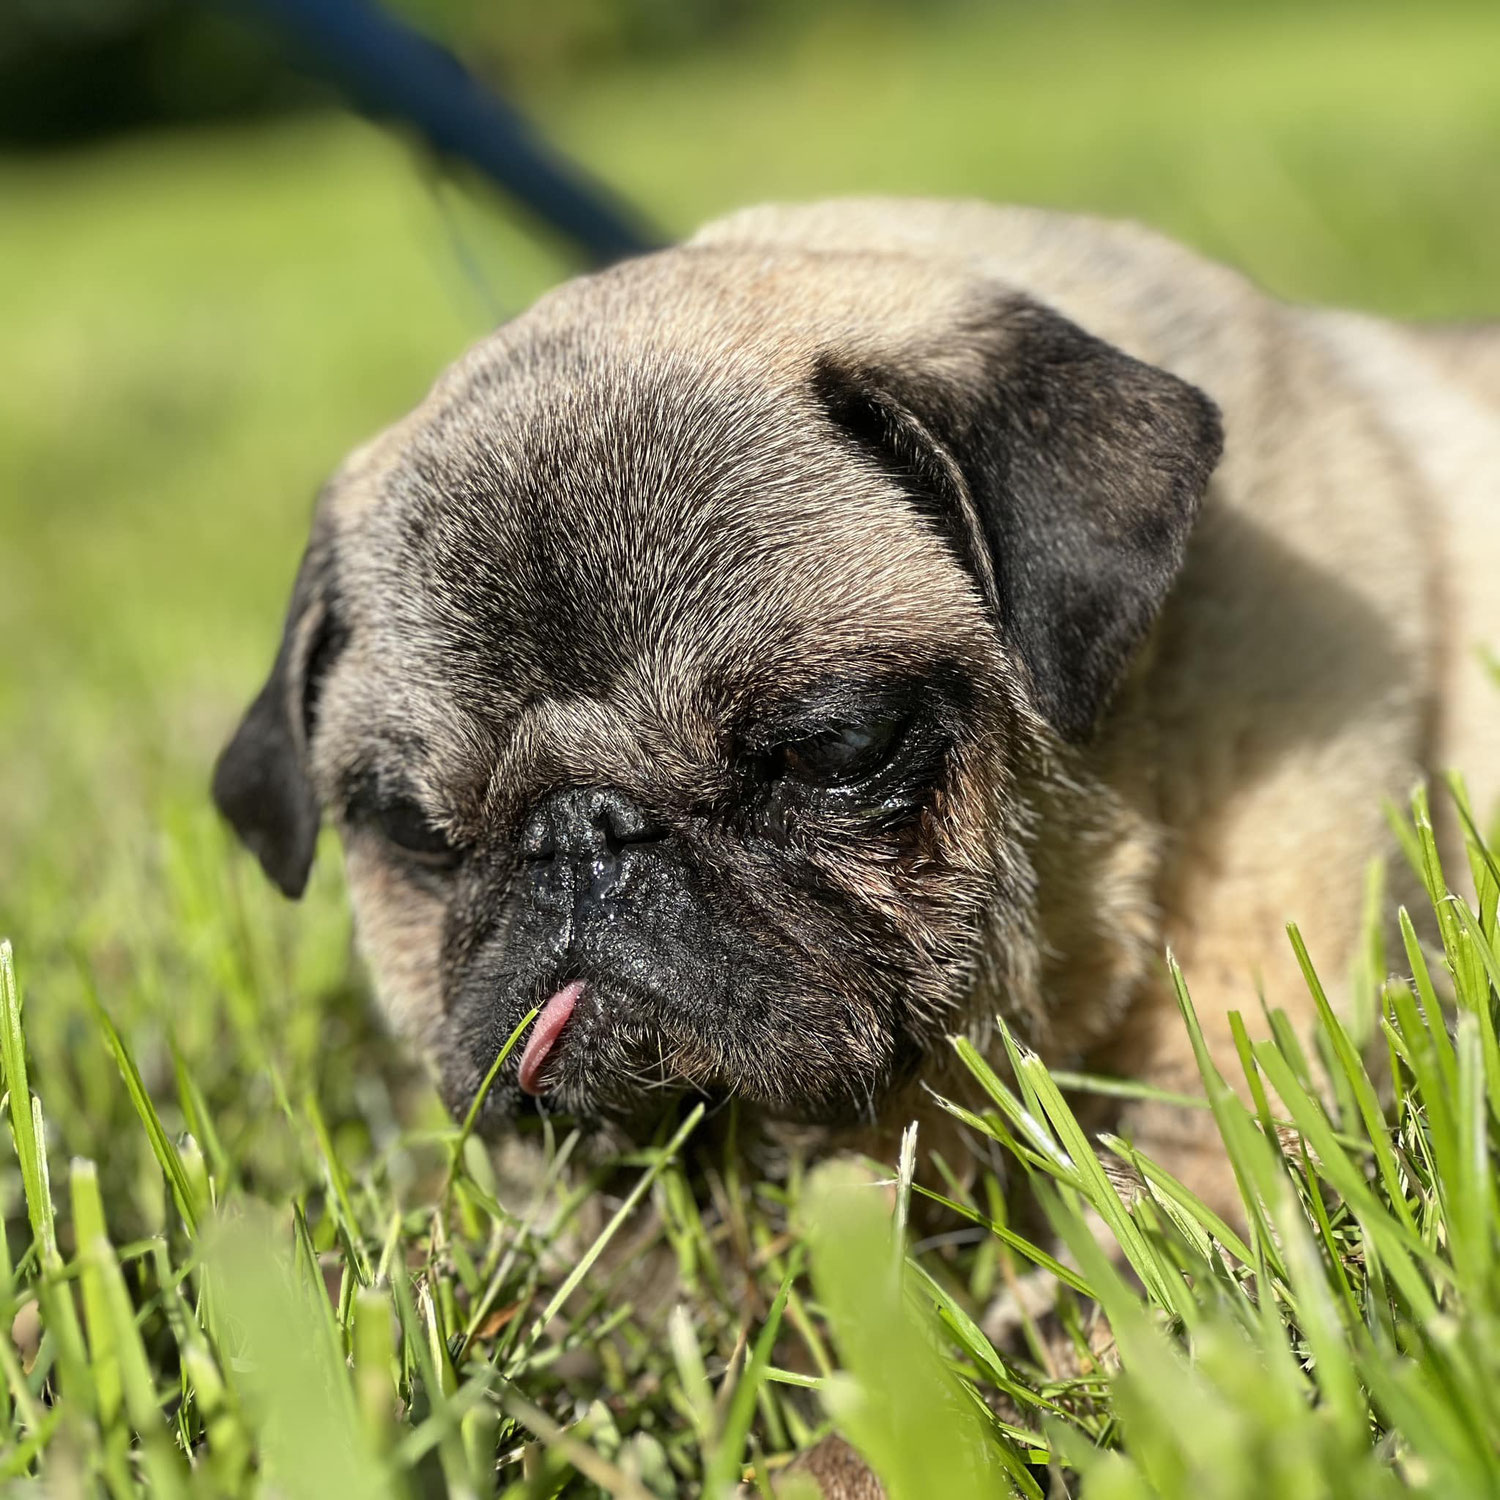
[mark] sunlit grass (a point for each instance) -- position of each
(413, 1315)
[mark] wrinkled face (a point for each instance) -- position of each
(665, 728)
(671, 672)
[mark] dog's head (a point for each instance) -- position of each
(670, 667)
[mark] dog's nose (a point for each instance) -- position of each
(594, 824)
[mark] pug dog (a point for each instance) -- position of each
(774, 655)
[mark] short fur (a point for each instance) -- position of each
(944, 467)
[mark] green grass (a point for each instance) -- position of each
(196, 328)
(411, 1321)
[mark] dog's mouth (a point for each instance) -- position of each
(544, 1037)
(595, 1054)
(603, 1050)
(593, 1050)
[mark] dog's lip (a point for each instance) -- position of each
(544, 1036)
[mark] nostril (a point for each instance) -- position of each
(617, 841)
(537, 840)
(622, 822)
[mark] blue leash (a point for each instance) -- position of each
(390, 69)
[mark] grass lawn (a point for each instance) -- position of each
(196, 327)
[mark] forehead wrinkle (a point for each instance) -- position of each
(573, 740)
(648, 543)
(628, 484)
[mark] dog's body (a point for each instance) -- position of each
(1320, 651)
(926, 489)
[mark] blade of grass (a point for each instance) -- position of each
(30, 1142)
(161, 1143)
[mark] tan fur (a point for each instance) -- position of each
(1316, 656)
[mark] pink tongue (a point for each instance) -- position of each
(544, 1034)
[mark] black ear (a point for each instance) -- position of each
(261, 782)
(1064, 474)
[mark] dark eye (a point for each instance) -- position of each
(841, 754)
(411, 831)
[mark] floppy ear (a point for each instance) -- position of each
(1064, 475)
(261, 782)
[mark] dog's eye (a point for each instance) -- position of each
(406, 826)
(841, 754)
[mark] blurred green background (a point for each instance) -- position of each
(215, 282)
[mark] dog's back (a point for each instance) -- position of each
(1467, 353)
(1438, 390)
